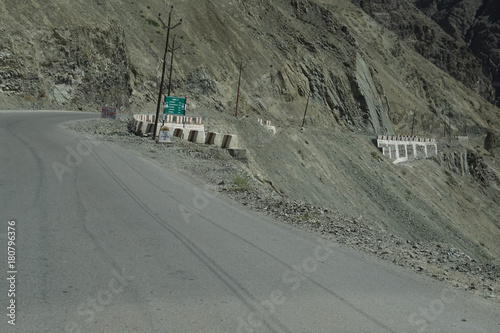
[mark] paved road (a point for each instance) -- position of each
(107, 241)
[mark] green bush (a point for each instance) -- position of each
(152, 22)
(242, 183)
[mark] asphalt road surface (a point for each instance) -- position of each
(104, 240)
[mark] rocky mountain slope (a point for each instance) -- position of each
(475, 22)
(362, 76)
(463, 40)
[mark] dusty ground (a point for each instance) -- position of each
(237, 179)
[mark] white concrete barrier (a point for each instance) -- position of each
(148, 128)
(267, 125)
(142, 127)
(271, 129)
(230, 141)
(178, 132)
(180, 126)
(214, 138)
(187, 128)
(196, 136)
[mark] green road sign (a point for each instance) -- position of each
(175, 105)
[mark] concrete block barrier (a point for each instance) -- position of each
(214, 138)
(238, 153)
(148, 128)
(141, 127)
(135, 125)
(271, 129)
(196, 136)
(178, 132)
(186, 128)
(230, 141)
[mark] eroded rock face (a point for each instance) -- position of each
(490, 142)
(458, 46)
(475, 22)
(77, 66)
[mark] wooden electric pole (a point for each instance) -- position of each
(239, 84)
(168, 27)
(171, 65)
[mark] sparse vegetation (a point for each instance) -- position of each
(152, 22)
(241, 183)
(301, 154)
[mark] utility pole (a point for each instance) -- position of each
(305, 111)
(168, 27)
(239, 83)
(171, 65)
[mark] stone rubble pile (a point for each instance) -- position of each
(439, 260)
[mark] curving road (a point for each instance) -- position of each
(107, 241)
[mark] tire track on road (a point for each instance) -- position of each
(327, 290)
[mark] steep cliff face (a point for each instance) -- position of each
(48, 66)
(444, 50)
(477, 23)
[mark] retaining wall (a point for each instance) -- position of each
(404, 148)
